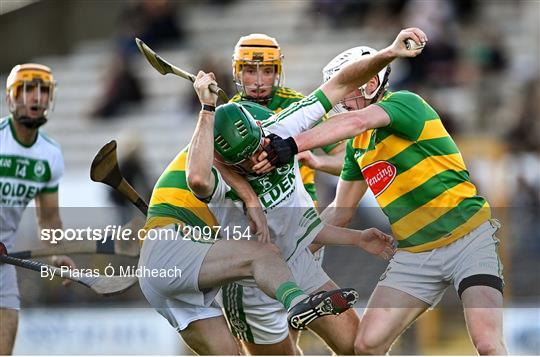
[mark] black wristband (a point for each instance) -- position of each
(292, 145)
(208, 108)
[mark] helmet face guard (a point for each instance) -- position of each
(27, 78)
(257, 50)
(237, 136)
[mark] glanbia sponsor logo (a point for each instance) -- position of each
(379, 175)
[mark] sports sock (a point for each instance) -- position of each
(289, 294)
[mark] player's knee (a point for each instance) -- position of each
(345, 347)
(267, 248)
(202, 345)
(231, 349)
(486, 332)
(489, 346)
(285, 347)
(366, 345)
(258, 255)
(266, 251)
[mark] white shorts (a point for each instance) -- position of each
(9, 290)
(319, 256)
(177, 298)
(255, 317)
(471, 260)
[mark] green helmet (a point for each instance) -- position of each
(257, 111)
(236, 134)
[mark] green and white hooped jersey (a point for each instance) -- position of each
(25, 171)
(291, 215)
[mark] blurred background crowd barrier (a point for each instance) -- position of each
(480, 70)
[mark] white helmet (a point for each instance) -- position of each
(351, 55)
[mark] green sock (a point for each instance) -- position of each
(287, 292)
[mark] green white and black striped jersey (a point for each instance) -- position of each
(292, 218)
(25, 171)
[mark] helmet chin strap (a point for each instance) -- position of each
(25, 120)
(31, 123)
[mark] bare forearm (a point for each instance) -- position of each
(50, 223)
(239, 184)
(371, 240)
(201, 153)
(48, 212)
(337, 128)
(338, 216)
(331, 164)
(358, 73)
(201, 148)
(47, 221)
(246, 194)
(332, 235)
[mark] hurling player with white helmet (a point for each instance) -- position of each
(444, 229)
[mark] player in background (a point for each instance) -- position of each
(445, 232)
(31, 166)
(258, 74)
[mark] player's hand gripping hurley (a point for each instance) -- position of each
(164, 67)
